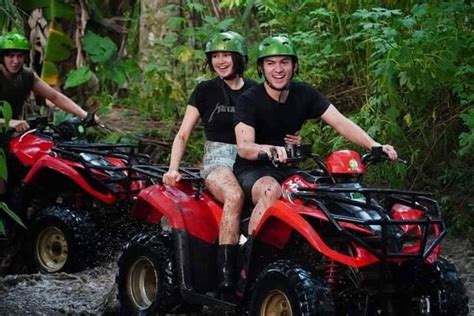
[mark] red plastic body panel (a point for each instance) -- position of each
(403, 212)
(345, 162)
(199, 217)
(29, 147)
(64, 167)
(282, 217)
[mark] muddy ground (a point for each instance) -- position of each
(93, 291)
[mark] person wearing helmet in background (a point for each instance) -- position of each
(17, 81)
(213, 102)
(279, 106)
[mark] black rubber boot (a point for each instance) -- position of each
(226, 257)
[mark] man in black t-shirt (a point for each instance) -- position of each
(279, 106)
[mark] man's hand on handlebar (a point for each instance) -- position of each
(276, 154)
(19, 126)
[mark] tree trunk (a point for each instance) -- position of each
(153, 20)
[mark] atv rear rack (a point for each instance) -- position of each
(417, 200)
(157, 171)
(86, 155)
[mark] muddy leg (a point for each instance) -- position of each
(264, 192)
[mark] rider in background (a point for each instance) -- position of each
(269, 111)
(18, 81)
(213, 101)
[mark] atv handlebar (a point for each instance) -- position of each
(295, 153)
(377, 155)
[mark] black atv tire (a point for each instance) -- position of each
(61, 239)
(447, 294)
(284, 288)
(146, 279)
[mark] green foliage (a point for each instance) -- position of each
(111, 72)
(6, 210)
(77, 77)
(9, 15)
(466, 139)
(6, 111)
(52, 8)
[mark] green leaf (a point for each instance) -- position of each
(100, 49)
(12, 214)
(3, 165)
(77, 77)
(174, 23)
(49, 73)
(58, 47)
(53, 8)
(6, 111)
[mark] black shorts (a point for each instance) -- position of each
(247, 178)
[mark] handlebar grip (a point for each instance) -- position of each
(262, 156)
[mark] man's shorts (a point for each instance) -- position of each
(247, 178)
(217, 154)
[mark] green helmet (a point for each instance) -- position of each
(276, 46)
(227, 42)
(14, 41)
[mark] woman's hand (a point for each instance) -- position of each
(293, 139)
(171, 177)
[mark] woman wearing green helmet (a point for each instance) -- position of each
(17, 81)
(213, 102)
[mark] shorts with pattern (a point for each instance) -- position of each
(217, 154)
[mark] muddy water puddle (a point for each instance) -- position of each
(88, 292)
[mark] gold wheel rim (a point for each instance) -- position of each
(142, 283)
(276, 303)
(51, 249)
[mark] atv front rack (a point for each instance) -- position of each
(429, 238)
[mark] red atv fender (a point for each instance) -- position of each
(199, 216)
(28, 148)
(48, 164)
(282, 218)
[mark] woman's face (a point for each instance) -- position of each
(223, 64)
(14, 60)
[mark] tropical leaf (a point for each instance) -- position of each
(12, 214)
(3, 165)
(52, 8)
(100, 49)
(58, 47)
(49, 73)
(77, 77)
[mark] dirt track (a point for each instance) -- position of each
(94, 292)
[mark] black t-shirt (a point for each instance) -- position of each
(271, 120)
(215, 102)
(16, 90)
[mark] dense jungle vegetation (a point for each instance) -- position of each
(403, 70)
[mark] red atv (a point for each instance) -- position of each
(74, 196)
(329, 246)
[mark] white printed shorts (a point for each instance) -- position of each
(217, 154)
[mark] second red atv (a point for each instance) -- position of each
(329, 246)
(74, 196)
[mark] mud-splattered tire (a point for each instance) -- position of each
(445, 289)
(284, 288)
(61, 239)
(146, 280)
